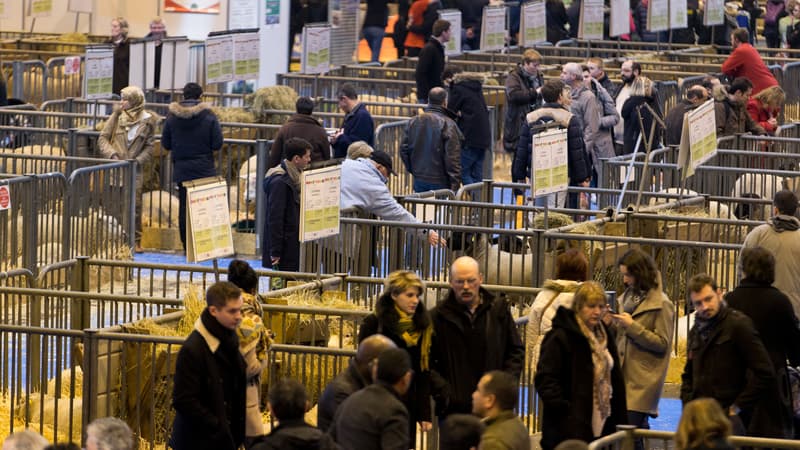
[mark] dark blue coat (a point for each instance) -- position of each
(282, 227)
(466, 100)
(357, 126)
(191, 133)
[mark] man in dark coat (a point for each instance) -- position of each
(375, 417)
(288, 404)
(726, 359)
(467, 102)
(357, 126)
(191, 133)
(474, 333)
(772, 314)
(301, 125)
(430, 65)
(281, 247)
(357, 376)
(695, 96)
(209, 389)
(523, 84)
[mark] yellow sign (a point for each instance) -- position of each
(208, 226)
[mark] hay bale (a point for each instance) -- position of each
(273, 97)
(74, 38)
(233, 115)
(159, 209)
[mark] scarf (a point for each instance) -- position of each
(602, 363)
(286, 167)
(703, 327)
(631, 299)
(782, 222)
(411, 336)
(251, 332)
(228, 341)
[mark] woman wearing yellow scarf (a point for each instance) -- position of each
(401, 316)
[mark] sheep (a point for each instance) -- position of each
(761, 186)
(20, 166)
(52, 411)
(159, 210)
(503, 267)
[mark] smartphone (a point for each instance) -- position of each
(611, 301)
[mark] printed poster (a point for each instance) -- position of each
(208, 221)
(714, 13)
(677, 14)
(619, 18)
(246, 58)
(81, 6)
(219, 59)
(319, 200)
(192, 6)
(549, 163)
(658, 15)
(533, 23)
(316, 57)
(272, 12)
(242, 14)
(99, 67)
(493, 28)
(40, 8)
(591, 20)
(698, 138)
(453, 46)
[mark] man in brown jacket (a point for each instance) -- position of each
(494, 401)
(301, 125)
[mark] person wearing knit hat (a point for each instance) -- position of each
(128, 134)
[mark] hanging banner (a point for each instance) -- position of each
(453, 46)
(698, 138)
(246, 57)
(533, 23)
(192, 6)
(714, 13)
(219, 58)
(591, 20)
(99, 67)
(677, 14)
(493, 28)
(316, 56)
(549, 163)
(40, 8)
(658, 15)
(242, 14)
(619, 18)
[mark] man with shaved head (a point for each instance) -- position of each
(474, 333)
(355, 377)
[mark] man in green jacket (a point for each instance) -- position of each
(494, 402)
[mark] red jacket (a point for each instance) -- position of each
(745, 61)
(761, 114)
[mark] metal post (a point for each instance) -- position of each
(80, 311)
(262, 152)
(18, 75)
(132, 202)
(89, 409)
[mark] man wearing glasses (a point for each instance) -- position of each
(474, 333)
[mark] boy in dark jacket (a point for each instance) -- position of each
(472, 117)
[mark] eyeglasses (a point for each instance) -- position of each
(470, 281)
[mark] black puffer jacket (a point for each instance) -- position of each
(466, 100)
(631, 119)
(191, 133)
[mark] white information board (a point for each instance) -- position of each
(174, 61)
(40, 8)
(219, 59)
(81, 6)
(208, 221)
(242, 14)
(714, 13)
(549, 163)
(142, 64)
(658, 15)
(591, 20)
(619, 18)
(677, 14)
(99, 72)
(493, 28)
(319, 203)
(246, 57)
(698, 138)
(533, 23)
(453, 46)
(316, 57)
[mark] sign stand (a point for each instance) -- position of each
(549, 172)
(208, 228)
(319, 205)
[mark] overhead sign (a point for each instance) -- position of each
(320, 203)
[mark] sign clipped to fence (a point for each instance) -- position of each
(493, 28)
(5, 198)
(316, 57)
(453, 46)
(246, 58)
(698, 138)
(72, 65)
(549, 163)
(99, 67)
(219, 58)
(619, 18)
(208, 221)
(319, 200)
(533, 24)
(658, 15)
(591, 20)
(714, 13)
(677, 14)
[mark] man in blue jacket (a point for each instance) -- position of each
(191, 133)
(357, 126)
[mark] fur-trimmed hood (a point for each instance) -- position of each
(469, 76)
(558, 114)
(189, 108)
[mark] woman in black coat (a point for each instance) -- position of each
(774, 319)
(401, 316)
(578, 376)
(642, 93)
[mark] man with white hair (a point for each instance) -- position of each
(109, 433)
(25, 440)
(584, 104)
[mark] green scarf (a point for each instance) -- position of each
(405, 326)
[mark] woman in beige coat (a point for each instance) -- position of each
(129, 134)
(644, 323)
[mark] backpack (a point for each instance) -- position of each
(774, 10)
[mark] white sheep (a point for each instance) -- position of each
(159, 210)
(763, 186)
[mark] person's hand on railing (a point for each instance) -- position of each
(436, 240)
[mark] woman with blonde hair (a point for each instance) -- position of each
(122, 54)
(703, 425)
(401, 316)
(765, 107)
(643, 94)
(578, 376)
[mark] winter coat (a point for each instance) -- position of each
(431, 149)
(554, 293)
(521, 98)
(377, 14)
(609, 86)
(609, 117)
(282, 227)
(505, 432)
(588, 111)
(733, 118)
(644, 350)
(785, 246)
(732, 366)
(415, 37)
(122, 65)
(301, 126)
(565, 383)
(295, 435)
(579, 166)
(463, 351)
(745, 61)
(632, 128)
(430, 66)
(191, 133)
(208, 394)
(761, 114)
(341, 387)
(674, 122)
(418, 397)
(113, 141)
(772, 314)
(466, 99)
(373, 418)
(556, 19)
(357, 126)
(254, 343)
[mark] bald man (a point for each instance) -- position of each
(474, 333)
(357, 375)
